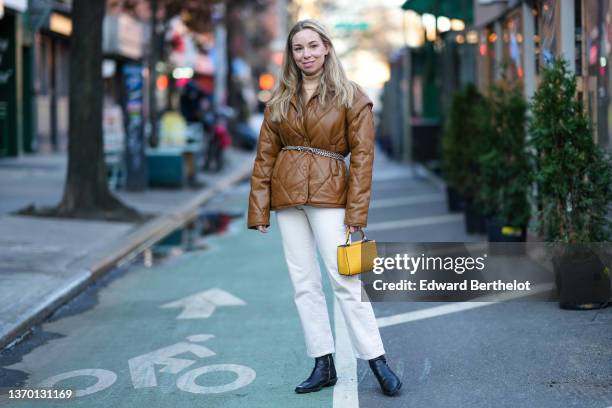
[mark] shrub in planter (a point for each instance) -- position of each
(573, 177)
(461, 136)
(505, 169)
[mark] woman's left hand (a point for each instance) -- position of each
(354, 228)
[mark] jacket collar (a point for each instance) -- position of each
(294, 98)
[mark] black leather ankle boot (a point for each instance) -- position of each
(389, 382)
(323, 375)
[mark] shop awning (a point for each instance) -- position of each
(460, 9)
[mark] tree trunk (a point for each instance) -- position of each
(86, 192)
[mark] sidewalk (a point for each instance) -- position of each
(46, 261)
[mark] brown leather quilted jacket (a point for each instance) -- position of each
(287, 178)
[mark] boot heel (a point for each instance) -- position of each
(332, 382)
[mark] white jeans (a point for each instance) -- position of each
(301, 227)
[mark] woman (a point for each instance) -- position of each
(316, 117)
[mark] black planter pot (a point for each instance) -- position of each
(582, 280)
(454, 199)
(475, 220)
(506, 239)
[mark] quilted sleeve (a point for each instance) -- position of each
(268, 146)
(361, 143)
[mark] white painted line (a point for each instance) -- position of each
(414, 222)
(398, 201)
(459, 306)
(345, 391)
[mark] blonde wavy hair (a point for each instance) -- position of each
(334, 86)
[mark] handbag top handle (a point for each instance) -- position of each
(348, 236)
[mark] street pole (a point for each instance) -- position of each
(153, 46)
(405, 105)
(218, 18)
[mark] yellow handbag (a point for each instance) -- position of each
(356, 257)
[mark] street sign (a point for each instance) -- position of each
(136, 169)
(352, 26)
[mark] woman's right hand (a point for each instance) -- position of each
(262, 228)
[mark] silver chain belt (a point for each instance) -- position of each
(320, 152)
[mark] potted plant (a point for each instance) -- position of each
(505, 170)
(462, 142)
(573, 177)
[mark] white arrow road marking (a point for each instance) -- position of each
(104, 378)
(203, 304)
(142, 368)
(198, 338)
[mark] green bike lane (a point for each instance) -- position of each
(210, 328)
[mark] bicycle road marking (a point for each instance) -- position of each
(142, 368)
(187, 382)
(105, 378)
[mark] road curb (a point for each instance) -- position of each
(94, 266)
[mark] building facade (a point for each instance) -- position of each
(521, 37)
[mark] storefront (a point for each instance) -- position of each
(506, 44)
(51, 81)
(15, 77)
(486, 59)
(596, 54)
(533, 33)
(513, 47)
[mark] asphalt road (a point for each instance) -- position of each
(217, 327)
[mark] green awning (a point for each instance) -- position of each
(461, 9)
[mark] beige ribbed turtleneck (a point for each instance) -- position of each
(310, 83)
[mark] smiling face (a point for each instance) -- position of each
(308, 51)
